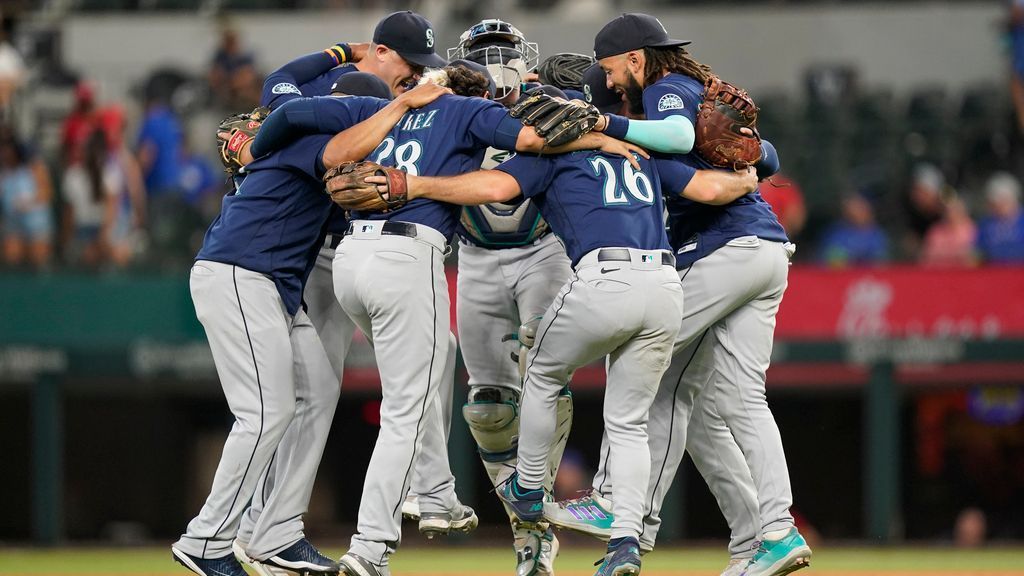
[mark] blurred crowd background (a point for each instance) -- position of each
(900, 127)
(105, 179)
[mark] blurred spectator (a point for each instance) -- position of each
(203, 187)
(12, 66)
(26, 191)
(159, 145)
(1001, 233)
(924, 205)
(200, 181)
(234, 82)
(95, 225)
(786, 198)
(132, 206)
(79, 123)
(970, 529)
(950, 241)
(856, 239)
(573, 475)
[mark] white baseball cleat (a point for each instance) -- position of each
(238, 547)
(411, 508)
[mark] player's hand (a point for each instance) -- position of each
(749, 176)
(422, 95)
(624, 149)
(382, 186)
(531, 77)
(244, 155)
(359, 50)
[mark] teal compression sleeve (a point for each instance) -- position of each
(673, 135)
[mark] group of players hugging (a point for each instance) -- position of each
(605, 207)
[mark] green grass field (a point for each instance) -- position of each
(577, 562)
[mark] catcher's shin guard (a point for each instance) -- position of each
(562, 428)
(492, 413)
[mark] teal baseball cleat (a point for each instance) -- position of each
(527, 504)
(590, 514)
(779, 557)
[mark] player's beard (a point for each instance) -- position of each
(634, 96)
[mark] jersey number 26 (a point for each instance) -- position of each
(637, 184)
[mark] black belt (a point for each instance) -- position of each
(334, 239)
(622, 255)
(391, 228)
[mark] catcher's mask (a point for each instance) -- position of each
(502, 49)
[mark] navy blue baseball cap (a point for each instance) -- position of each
(596, 91)
(411, 35)
(492, 88)
(632, 32)
(361, 84)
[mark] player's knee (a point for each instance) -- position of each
(278, 416)
(492, 413)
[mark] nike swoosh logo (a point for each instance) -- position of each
(607, 270)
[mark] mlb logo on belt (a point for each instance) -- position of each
(367, 228)
(646, 258)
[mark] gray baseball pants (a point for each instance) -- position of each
(395, 290)
(279, 385)
(629, 311)
(711, 400)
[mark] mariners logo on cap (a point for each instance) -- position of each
(430, 38)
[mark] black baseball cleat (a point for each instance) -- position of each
(223, 566)
(304, 559)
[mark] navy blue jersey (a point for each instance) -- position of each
(272, 222)
(695, 229)
(444, 138)
(595, 200)
(283, 86)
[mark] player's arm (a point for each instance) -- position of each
(671, 135)
(479, 187)
(528, 141)
(306, 116)
(717, 187)
(282, 85)
(769, 164)
(359, 141)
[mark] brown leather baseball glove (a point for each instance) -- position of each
(725, 111)
(346, 183)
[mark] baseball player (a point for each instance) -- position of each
(247, 285)
(389, 277)
(623, 301)
(510, 269)
(384, 67)
(733, 262)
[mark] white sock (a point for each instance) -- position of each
(776, 534)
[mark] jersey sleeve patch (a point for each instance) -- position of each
(285, 88)
(670, 102)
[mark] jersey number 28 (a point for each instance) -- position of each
(406, 155)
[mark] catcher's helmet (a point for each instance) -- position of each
(502, 48)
